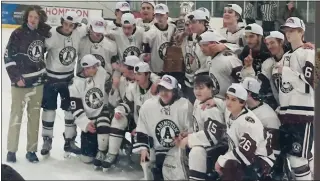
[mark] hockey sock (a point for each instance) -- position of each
(70, 127)
(103, 129)
(117, 132)
(48, 117)
(198, 163)
(300, 167)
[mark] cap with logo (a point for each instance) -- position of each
(123, 6)
(151, 2)
(210, 36)
(238, 91)
(89, 60)
(131, 60)
(128, 18)
(235, 8)
(98, 24)
(275, 34)
(168, 82)
(254, 28)
(198, 15)
(205, 10)
(251, 84)
(71, 16)
(161, 9)
(294, 22)
(142, 67)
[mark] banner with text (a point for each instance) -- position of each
(12, 14)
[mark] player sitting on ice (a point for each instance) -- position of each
(136, 94)
(206, 141)
(161, 120)
(88, 96)
(249, 150)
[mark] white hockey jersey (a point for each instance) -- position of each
(236, 38)
(62, 52)
(296, 92)
(113, 26)
(224, 69)
(162, 124)
(128, 45)
(88, 96)
(156, 42)
(247, 139)
(105, 51)
(145, 25)
(208, 126)
(190, 63)
(271, 123)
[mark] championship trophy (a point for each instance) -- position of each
(174, 56)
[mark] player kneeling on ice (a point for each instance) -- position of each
(88, 96)
(206, 142)
(136, 94)
(161, 120)
(249, 148)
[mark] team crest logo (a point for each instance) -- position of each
(99, 23)
(195, 124)
(217, 85)
(159, 8)
(250, 119)
(286, 87)
(166, 131)
(296, 147)
(35, 51)
(131, 50)
(163, 49)
(146, 27)
(67, 55)
(290, 20)
(99, 57)
(94, 98)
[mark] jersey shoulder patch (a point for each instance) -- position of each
(249, 119)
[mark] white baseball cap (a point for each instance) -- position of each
(238, 91)
(98, 24)
(251, 84)
(151, 2)
(89, 60)
(128, 18)
(254, 28)
(275, 34)
(131, 60)
(235, 8)
(71, 16)
(142, 67)
(123, 6)
(161, 9)
(205, 10)
(169, 82)
(210, 36)
(294, 22)
(198, 15)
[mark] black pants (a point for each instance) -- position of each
(250, 21)
(268, 26)
(8, 173)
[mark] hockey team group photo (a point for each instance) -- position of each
(170, 90)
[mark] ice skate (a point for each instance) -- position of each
(109, 161)
(97, 162)
(70, 147)
(11, 157)
(46, 147)
(32, 157)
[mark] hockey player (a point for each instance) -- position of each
(96, 44)
(135, 96)
(122, 7)
(147, 12)
(161, 119)
(157, 39)
(248, 140)
(62, 47)
(224, 67)
(233, 32)
(129, 38)
(209, 129)
(88, 96)
(296, 96)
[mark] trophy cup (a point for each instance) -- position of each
(174, 57)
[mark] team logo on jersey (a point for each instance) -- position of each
(163, 49)
(131, 50)
(296, 147)
(94, 98)
(67, 55)
(166, 131)
(286, 87)
(217, 85)
(165, 111)
(250, 119)
(35, 51)
(99, 57)
(195, 124)
(146, 28)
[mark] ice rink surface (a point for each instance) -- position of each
(56, 167)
